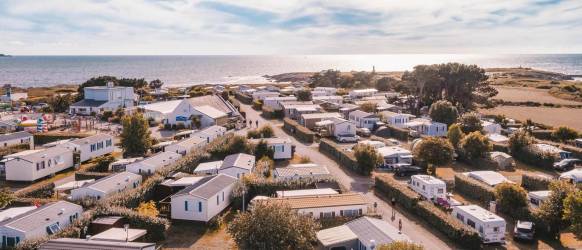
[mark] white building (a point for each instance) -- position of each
(14, 97)
(208, 168)
(427, 127)
(395, 156)
(210, 133)
(17, 138)
(103, 98)
(428, 186)
(343, 127)
(536, 198)
(396, 119)
(151, 164)
(92, 146)
(363, 119)
(374, 144)
(170, 112)
(12, 212)
(326, 206)
(282, 147)
(301, 171)
(45, 220)
(75, 243)
(490, 178)
(209, 116)
(572, 176)
(274, 103)
(360, 93)
(261, 95)
(31, 165)
(203, 200)
(305, 192)
(327, 99)
(490, 226)
(121, 164)
(107, 185)
(328, 90)
(186, 146)
(238, 165)
(491, 127)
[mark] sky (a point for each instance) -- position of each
(224, 27)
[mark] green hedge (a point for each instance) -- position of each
(244, 98)
(342, 157)
(534, 182)
(13, 149)
(500, 147)
(87, 175)
(42, 191)
(474, 189)
(394, 132)
(543, 134)
(43, 138)
(442, 221)
(532, 157)
(300, 132)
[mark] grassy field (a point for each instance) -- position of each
(525, 94)
(549, 116)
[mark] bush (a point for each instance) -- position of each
(443, 111)
(475, 146)
(262, 149)
(512, 200)
(229, 144)
(13, 149)
(470, 122)
(343, 158)
(434, 150)
(303, 95)
(455, 134)
(265, 131)
(300, 132)
(257, 105)
(401, 245)
(535, 182)
(367, 158)
(101, 164)
(564, 133)
(474, 189)
(84, 175)
(44, 138)
(394, 132)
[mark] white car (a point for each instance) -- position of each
(347, 138)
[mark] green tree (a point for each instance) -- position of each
(367, 158)
(470, 122)
(327, 78)
(369, 107)
(231, 144)
(519, 141)
(60, 103)
(434, 150)
(102, 163)
(273, 225)
(455, 135)
(135, 136)
(475, 145)
(386, 83)
(443, 111)
(262, 149)
(401, 245)
(552, 209)
(511, 198)
(266, 131)
(564, 133)
(303, 95)
(156, 84)
(573, 212)
(6, 197)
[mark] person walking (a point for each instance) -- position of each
(257, 122)
(250, 123)
(399, 226)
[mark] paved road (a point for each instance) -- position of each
(419, 233)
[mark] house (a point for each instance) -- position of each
(360, 93)
(261, 95)
(74, 243)
(274, 103)
(294, 111)
(490, 226)
(428, 186)
(107, 185)
(237, 165)
(490, 178)
(347, 108)
(309, 120)
(329, 91)
(363, 233)
(12, 212)
(363, 119)
(210, 133)
(395, 156)
(327, 99)
(216, 102)
(326, 206)
(42, 221)
(103, 98)
(395, 119)
(151, 164)
(502, 160)
(426, 126)
(208, 168)
(17, 138)
(282, 147)
(120, 234)
(536, 198)
(91, 146)
(31, 165)
(380, 104)
(173, 112)
(209, 116)
(121, 164)
(203, 200)
(491, 127)
(186, 146)
(301, 171)
(305, 192)
(343, 127)
(553, 150)
(573, 176)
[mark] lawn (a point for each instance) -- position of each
(549, 116)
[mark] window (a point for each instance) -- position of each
(423, 187)
(185, 205)
(37, 166)
(327, 214)
(108, 143)
(350, 213)
(440, 191)
(471, 223)
(217, 200)
(461, 217)
(199, 206)
(42, 164)
(480, 229)
(222, 195)
(496, 229)
(52, 229)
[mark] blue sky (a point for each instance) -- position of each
(138, 27)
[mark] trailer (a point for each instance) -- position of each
(490, 226)
(536, 198)
(428, 187)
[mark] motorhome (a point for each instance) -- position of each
(490, 226)
(428, 186)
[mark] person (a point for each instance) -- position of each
(399, 225)
(257, 122)
(250, 123)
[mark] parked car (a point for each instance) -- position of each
(407, 170)
(524, 230)
(448, 202)
(567, 164)
(347, 138)
(365, 132)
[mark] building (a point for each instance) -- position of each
(208, 168)
(120, 234)
(209, 116)
(372, 143)
(490, 178)
(107, 185)
(426, 126)
(294, 111)
(363, 233)
(309, 120)
(347, 108)
(186, 146)
(536, 198)
(12, 212)
(216, 102)
(274, 103)
(210, 133)
(398, 120)
(31, 165)
(92, 146)
(42, 221)
(74, 243)
(498, 138)
(329, 91)
(429, 187)
(490, 226)
(151, 164)
(203, 200)
(326, 206)
(502, 160)
(491, 127)
(395, 156)
(301, 171)
(17, 138)
(360, 93)
(328, 99)
(121, 164)
(261, 95)
(573, 176)
(238, 165)
(553, 150)
(170, 112)
(13, 97)
(363, 119)
(283, 148)
(306, 192)
(343, 127)
(7, 126)
(103, 98)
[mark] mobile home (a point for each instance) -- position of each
(428, 186)
(490, 226)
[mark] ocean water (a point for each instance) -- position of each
(27, 71)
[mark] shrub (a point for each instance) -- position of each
(13, 149)
(85, 175)
(101, 164)
(257, 105)
(265, 131)
(535, 182)
(6, 197)
(262, 149)
(44, 191)
(455, 134)
(511, 199)
(434, 150)
(474, 189)
(443, 111)
(369, 107)
(300, 132)
(148, 209)
(551, 212)
(243, 98)
(470, 122)
(564, 133)
(401, 245)
(367, 158)
(573, 212)
(518, 141)
(475, 145)
(264, 166)
(303, 95)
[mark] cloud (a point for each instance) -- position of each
(289, 27)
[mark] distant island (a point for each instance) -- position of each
(4, 55)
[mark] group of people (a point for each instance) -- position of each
(251, 123)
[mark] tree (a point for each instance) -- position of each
(434, 150)
(148, 209)
(573, 212)
(455, 134)
(231, 144)
(511, 198)
(262, 149)
(369, 107)
(552, 209)
(196, 121)
(564, 133)
(264, 166)
(401, 245)
(102, 163)
(60, 103)
(475, 145)
(273, 225)
(266, 131)
(443, 111)
(135, 136)
(367, 158)
(470, 122)
(518, 141)
(156, 84)
(6, 197)
(327, 78)
(386, 83)
(304, 95)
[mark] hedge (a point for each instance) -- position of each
(500, 147)
(442, 221)
(243, 98)
(270, 113)
(535, 182)
(474, 189)
(545, 134)
(530, 156)
(13, 149)
(300, 132)
(43, 138)
(87, 175)
(342, 157)
(391, 131)
(42, 191)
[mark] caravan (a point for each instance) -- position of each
(490, 226)
(428, 187)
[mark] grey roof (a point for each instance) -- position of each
(38, 217)
(92, 139)
(244, 161)
(108, 183)
(88, 103)
(361, 114)
(209, 186)
(12, 136)
(213, 101)
(380, 231)
(72, 243)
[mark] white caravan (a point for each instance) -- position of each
(490, 226)
(428, 186)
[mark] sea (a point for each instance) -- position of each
(36, 71)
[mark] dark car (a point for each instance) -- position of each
(407, 170)
(567, 164)
(524, 230)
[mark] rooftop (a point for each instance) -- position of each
(210, 111)
(208, 186)
(214, 101)
(316, 201)
(479, 213)
(367, 229)
(160, 159)
(301, 171)
(490, 178)
(393, 151)
(244, 161)
(92, 139)
(336, 235)
(184, 181)
(275, 140)
(88, 103)
(305, 192)
(119, 234)
(108, 183)
(206, 166)
(163, 107)
(428, 179)
(14, 211)
(33, 219)
(13, 136)
(73, 243)
(361, 114)
(320, 115)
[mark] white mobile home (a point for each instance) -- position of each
(328, 99)
(46, 220)
(572, 176)
(305, 192)
(151, 164)
(186, 146)
(103, 98)
(274, 103)
(282, 147)
(31, 165)
(428, 186)
(238, 165)
(395, 156)
(326, 206)
(328, 90)
(107, 186)
(491, 127)
(490, 226)
(301, 171)
(551, 149)
(92, 146)
(210, 133)
(208, 168)
(203, 200)
(425, 126)
(17, 138)
(490, 178)
(119, 165)
(261, 95)
(209, 116)
(74, 243)
(363, 119)
(536, 198)
(343, 127)
(396, 119)
(360, 93)
(170, 112)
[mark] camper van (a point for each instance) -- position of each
(428, 186)
(536, 198)
(490, 226)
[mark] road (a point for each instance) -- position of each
(418, 232)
